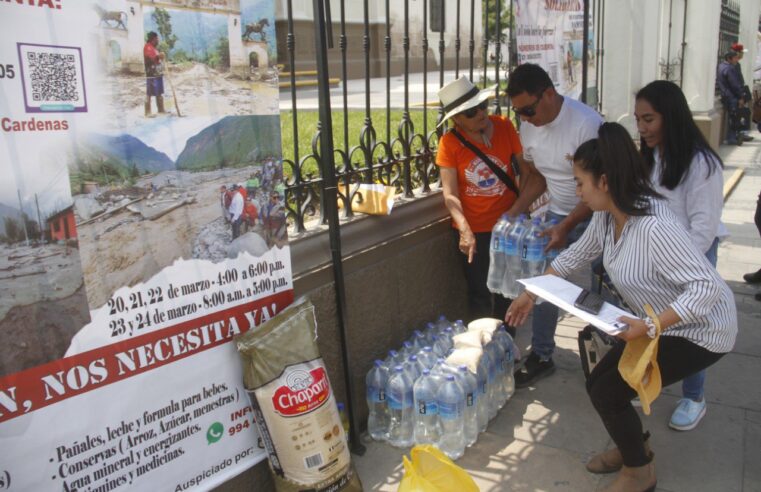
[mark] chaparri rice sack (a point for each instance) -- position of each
(294, 407)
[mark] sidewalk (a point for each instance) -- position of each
(542, 438)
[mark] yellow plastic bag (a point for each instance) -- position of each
(373, 199)
(430, 470)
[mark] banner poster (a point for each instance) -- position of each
(550, 33)
(141, 228)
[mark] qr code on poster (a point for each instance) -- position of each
(52, 78)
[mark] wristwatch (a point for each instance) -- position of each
(651, 329)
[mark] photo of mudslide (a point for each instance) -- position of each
(203, 61)
(143, 200)
(42, 296)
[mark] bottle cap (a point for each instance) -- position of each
(398, 368)
(450, 377)
(340, 406)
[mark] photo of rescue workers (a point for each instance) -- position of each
(141, 200)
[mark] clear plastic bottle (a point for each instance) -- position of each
(513, 242)
(407, 349)
(401, 409)
(459, 327)
(426, 356)
(554, 252)
(497, 356)
(532, 257)
(493, 391)
(393, 359)
(442, 323)
(470, 386)
(427, 430)
(497, 255)
(418, 340)
(483, 402)
(502, 337)
(451, 401)
(378, 418)
(430, 333)
(441, 345)
(412, 368)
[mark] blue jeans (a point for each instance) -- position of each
(692, 386)
(545, 315)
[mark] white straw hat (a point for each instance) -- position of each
(461, 94)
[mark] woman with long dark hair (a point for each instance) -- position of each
(687, 172)
(651, 260)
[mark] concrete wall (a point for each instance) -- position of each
(401, 271)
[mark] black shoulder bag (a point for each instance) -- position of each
(502, 175)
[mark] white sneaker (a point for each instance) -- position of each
(688, 414)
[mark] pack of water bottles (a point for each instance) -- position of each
(442, 386)
(517, 251)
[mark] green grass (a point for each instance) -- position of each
(307, 128)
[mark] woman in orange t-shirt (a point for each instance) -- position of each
(473, 194)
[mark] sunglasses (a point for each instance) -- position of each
(471, 112)
(530, 110)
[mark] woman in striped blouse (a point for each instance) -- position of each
(650, 260)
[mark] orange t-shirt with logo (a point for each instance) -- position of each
(483, 195)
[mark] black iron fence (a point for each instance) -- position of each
(398, 153)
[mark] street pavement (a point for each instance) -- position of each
(542, 438)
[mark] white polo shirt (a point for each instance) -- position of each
(551, 147)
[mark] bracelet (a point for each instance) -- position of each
(651, 329)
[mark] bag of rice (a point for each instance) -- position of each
(293, 403)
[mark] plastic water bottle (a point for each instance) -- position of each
(441, 345)
(400, 405)
(442, 323)
(503, 338)
(459, 327)
(513, 242)
(440, 369)
(451, 400)
(554, 252)
(407, 349)
(491, 372)
(412, 368)
(482, 401)
(496, 355)
(532, 256)
(393, 359)
(448, 336)
(497, 255)
(470, 386)
(378, 419)
(426, 356)
(427, 429)
(430, 332)
(418, 340)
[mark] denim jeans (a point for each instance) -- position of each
(692, 386)
(545, 315)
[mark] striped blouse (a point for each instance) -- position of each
(654, 262)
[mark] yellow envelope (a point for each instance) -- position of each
(639, 365)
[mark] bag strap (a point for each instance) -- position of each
(501, 174)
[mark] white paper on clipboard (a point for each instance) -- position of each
(563, 293)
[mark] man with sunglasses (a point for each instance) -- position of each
(474, 195)
(552, 128)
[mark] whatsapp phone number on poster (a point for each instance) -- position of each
(132, 313)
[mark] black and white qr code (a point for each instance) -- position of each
(52, 78)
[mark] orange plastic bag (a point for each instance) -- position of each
(430, 470)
